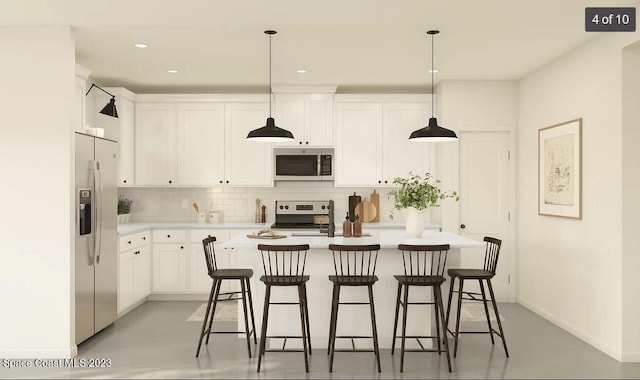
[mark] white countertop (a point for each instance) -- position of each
(129, 228)
(385, 239)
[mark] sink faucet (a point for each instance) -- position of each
(332, 226)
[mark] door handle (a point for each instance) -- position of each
(463, 226)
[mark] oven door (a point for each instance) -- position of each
(297, 167)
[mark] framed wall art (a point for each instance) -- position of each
(560, 170)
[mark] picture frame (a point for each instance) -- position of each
(560, 170)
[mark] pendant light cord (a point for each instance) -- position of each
(270, 88)
(432, 73)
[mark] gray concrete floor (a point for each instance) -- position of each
(156, 341)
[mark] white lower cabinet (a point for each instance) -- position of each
(179, 265)
(170, 261)
(134, 269)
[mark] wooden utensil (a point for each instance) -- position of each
(366, 210)
(375, 200)
(195, 207)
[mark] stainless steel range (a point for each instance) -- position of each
(302, 214)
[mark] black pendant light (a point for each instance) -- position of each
(270, 133)
(432, 132)
(110, 108)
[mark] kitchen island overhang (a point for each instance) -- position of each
(352, 320)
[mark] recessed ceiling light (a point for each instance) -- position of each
(141, 45)
(172, 71)
(433, 71)
(301, 71)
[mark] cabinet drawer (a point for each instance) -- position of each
(134, 240)
(196, 236)
(169, 236)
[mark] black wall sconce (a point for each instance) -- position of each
(110, 108)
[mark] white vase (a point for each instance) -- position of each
(415, 222)
(123, 218)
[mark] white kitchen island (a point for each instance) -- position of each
(352, 319)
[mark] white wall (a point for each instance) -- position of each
(569, 271)
(36, 101)
(630, 203)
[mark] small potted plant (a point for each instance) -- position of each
(416, 194)
(124, 209)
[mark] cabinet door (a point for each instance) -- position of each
(358, 144)
(125, 163)
(155, 144)
(169, 268)
(247, 163)
(318, 120)
(142, 273)
(400, 156)
(125, 280)
(289, 111)
(200, 143)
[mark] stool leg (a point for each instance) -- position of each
(404, 326)
(446, 323)
(206, 316)
(306, 315)
(331, 318)
(446, 341)
(395, 321)
(486, 311)
(246, 317)
(265, 317)
(495, 310)
(303, 327)
(213, 308)
(455, 341)
(437, 309)
(334, 324)
(253, 317)
(373, 327)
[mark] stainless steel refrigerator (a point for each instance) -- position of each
(96, 234)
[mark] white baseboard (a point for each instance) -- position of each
(64, 353)
(179, 297)
(595, 342)
(631, 357)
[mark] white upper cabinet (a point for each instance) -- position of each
(308, 116)
(358, 144)
(372, 142)
(155, 131)
(399, 154)
(247, 163)
(126, 114)
(200, 143)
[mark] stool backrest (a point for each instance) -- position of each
(491, 254)
(416, 257)
(210, 253)
(284, 260)
(354, 260)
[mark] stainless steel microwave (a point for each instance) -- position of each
(303, 164)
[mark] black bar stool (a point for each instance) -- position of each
(284, 266)
(423, 266)
(355, 265)
(219, 275)
(486, 274)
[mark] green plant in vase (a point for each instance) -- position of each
(417, 193)
(124, 205)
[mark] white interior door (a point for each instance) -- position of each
(484, 203)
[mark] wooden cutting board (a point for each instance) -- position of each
(252, 236)
(375, 200)
(366, 210)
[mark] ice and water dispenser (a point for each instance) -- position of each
(84, 211)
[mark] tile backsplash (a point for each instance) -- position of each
(238, 204)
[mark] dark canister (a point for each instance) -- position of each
(353, 202)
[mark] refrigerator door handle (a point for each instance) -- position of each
(97, 178)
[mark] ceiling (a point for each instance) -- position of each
(358, 45)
